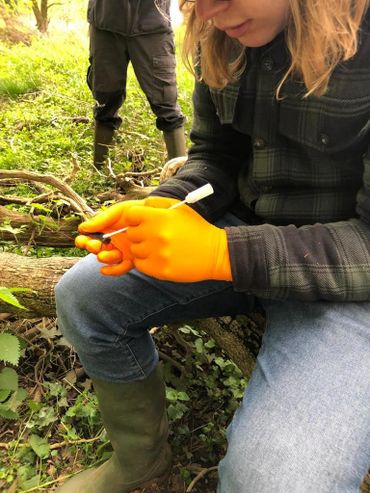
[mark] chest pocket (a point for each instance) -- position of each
(334, 123)
(225, 102)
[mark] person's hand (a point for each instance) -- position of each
(176, 244)
(117, 253)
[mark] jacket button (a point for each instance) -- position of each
(267, 64)
(324, 139)
(259, 143)
(266, 188)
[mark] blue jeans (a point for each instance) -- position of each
(304, 423)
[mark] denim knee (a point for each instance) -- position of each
(73, 296)
(282, 460)
(94, 314)
(304, 423)
(85, 306)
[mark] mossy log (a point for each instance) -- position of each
(37, 230)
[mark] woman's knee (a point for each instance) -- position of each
(79, 297)
(75, 285)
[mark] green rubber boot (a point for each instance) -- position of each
(103, 138)
(135, 418)
(175, 143)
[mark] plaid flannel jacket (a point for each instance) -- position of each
(299, 166)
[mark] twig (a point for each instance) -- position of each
(199, 476)
(138, 173)
(55, 446)
(43, 197)
(172, 361)
(110, 169)
(40, 362)
(30, 242)
(58, 445)
(7, 199)
(138, 134)
(97, 170)
(58, 480)
(75, 169)
(182, 342)
(77, 203)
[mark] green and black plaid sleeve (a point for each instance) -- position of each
(321, 261)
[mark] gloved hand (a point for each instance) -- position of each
(176, 244)
(117, 252)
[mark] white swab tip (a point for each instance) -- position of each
(199, 193)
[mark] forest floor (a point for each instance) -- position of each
(203, 390)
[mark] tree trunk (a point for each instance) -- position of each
(41, 15)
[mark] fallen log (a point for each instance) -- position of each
(39, 275)
(43, 230)
(37, 230)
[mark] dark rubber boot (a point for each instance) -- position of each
(135, 418)
(175, 143)
(103, 138)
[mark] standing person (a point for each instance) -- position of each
(282, 131)
(140, 32)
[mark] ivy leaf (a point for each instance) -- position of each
(16, 399)
(8, 379)
(220, 362)
(171, 394)
(7, 413)
(183, 396)
(9, 348)
(9, 229)
(4, 394)
(8, 409)
(210, 344)
(176, 411)
(199, 345)
(7, 296)
(40, 446)
(30, 484)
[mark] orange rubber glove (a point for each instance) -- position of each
(176, 244)
(117, 252)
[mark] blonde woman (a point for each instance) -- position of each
(281, 130)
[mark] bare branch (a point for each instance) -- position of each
(77, 203)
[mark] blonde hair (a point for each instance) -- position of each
(326, 28)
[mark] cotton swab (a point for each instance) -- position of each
(191, 198)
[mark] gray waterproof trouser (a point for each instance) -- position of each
(154, 63)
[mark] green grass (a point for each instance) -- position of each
(43, 91)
